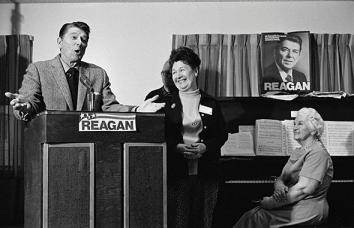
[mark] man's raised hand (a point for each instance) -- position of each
(18, 102)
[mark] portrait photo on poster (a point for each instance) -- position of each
(285, 62)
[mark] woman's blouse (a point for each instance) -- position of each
(313, 162)
(192, 123)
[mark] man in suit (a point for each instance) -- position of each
(64, 82)
(286, 55)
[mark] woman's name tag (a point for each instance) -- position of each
(206, 110)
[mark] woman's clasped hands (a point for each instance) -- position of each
(279, 197)
(191, 151)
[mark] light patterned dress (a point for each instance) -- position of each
(314, 163)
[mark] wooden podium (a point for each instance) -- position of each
(99, 178)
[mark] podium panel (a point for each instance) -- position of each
(109, 183)
(68, 185)
(78, 179)
(145, 165)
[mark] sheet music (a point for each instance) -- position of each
(239, 144)
(276, 138)
(338, 137)
(284, 97)
(333, 94)
(290, 143)
(246, 128)
(269, 137)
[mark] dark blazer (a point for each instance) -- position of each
(164, 97)
(160, 91)
(271, 74)
(45, 86)
(213, 136)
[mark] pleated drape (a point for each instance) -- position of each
(231, 63)
(333, 62)
(15, 55)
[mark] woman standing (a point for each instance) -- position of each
(195, 132)
(300, 192)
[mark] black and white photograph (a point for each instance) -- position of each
(176, 113)
(286, 63)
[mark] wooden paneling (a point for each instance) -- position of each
(109, 174)
(67, 186)
(75, 179)
(144, 165)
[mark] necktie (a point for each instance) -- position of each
(288, 78)
(72, 76)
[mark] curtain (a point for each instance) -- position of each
(231, 63)
(332, 59)
(15, 55)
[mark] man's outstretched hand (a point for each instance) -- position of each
(18, 102)
(150, 106)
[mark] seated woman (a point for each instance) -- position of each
(299, 195)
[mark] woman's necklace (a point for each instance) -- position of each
(309, 145)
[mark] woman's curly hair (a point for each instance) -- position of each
(186, 55)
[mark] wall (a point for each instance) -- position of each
(132, 40)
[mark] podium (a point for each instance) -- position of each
(95, 170)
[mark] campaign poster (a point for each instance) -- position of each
(285, 62)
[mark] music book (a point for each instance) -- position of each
(338, 137)
(276, 138)
(238, 144)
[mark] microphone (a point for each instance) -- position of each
(93, 98)
(87, 83)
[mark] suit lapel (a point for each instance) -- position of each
(82, 90)
(59, 76)
(175, 110)
(277, 73)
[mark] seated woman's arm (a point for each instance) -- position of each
(304, 187)
(279, 184)
(280, 188)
